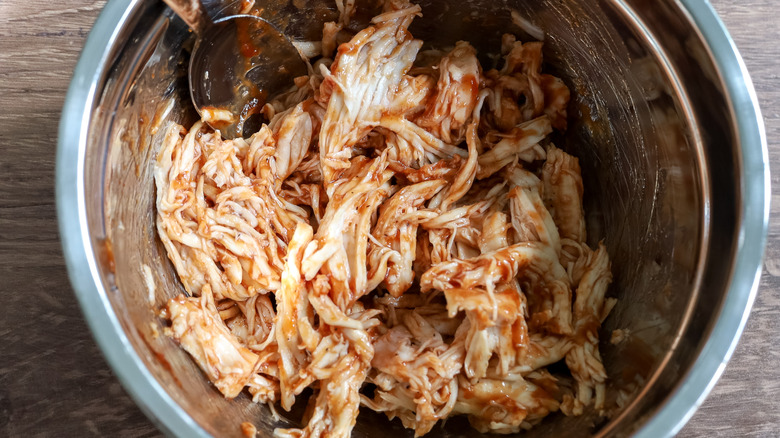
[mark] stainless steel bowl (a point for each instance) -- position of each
(673, 153)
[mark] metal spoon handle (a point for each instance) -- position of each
(192, 12)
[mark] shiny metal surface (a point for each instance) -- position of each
(670, 141)
(238, 63)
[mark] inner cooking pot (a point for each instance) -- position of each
(662, 118)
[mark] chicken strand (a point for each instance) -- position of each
(402, 236)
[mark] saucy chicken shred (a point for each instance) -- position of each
(402, 236)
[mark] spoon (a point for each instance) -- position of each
(238, 64)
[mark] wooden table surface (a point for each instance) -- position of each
(53, 379)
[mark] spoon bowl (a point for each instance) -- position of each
(238, 64)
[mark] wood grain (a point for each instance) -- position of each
(53, 379)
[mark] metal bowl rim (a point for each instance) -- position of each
(173, 420)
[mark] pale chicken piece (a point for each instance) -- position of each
(590, 309)
(521, 143)
(250, 264)
(259, 161)
(463, 246)
(329, 32)
(218, 116)
(504, 307)
(575, 257)
(340, 361)
(354, 330)
(494, 232)
(420, 139)
(292, 322)
(256, 160)
(542, 350)
(346, 8)
(531, 259)
(253, 323)
(550, 305)
(345, 332)
(454, 217)
(509, 349)
(341, 211)
(563, 193)
(329, 352)
(444, 170)
(436, 315)
(308, 49)
(361, 85)
(428, 61)
(401, 152)
(494, 191)
(235, 226)
(495, 342)
(309, 195)
(176, 180)
(343, 265)
(456, 94)
(293, 138)
(519, 177)
(417, 371)
(258, 165)
(264, 384)
(513, 343)
(341, 249)
(223, 165)
(316, 111)
(465, 176)
(196, 325)
(425, 253)
(503, 405)
(496, 327)
(429, 306)
(481, 344)
(443, 229)
(523, 23)
(264, 389)
(521, 79)
(357, 242)
(466, 241)
(378, 259)
(401, 236)
(414, 95)
(530, 218)
(308, 170)
(507, 43)
(302, 92)
(337, 403)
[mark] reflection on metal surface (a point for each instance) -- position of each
(662, 153)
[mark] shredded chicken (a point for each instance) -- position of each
(456, 94)
(401, 235)
(196, 324)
